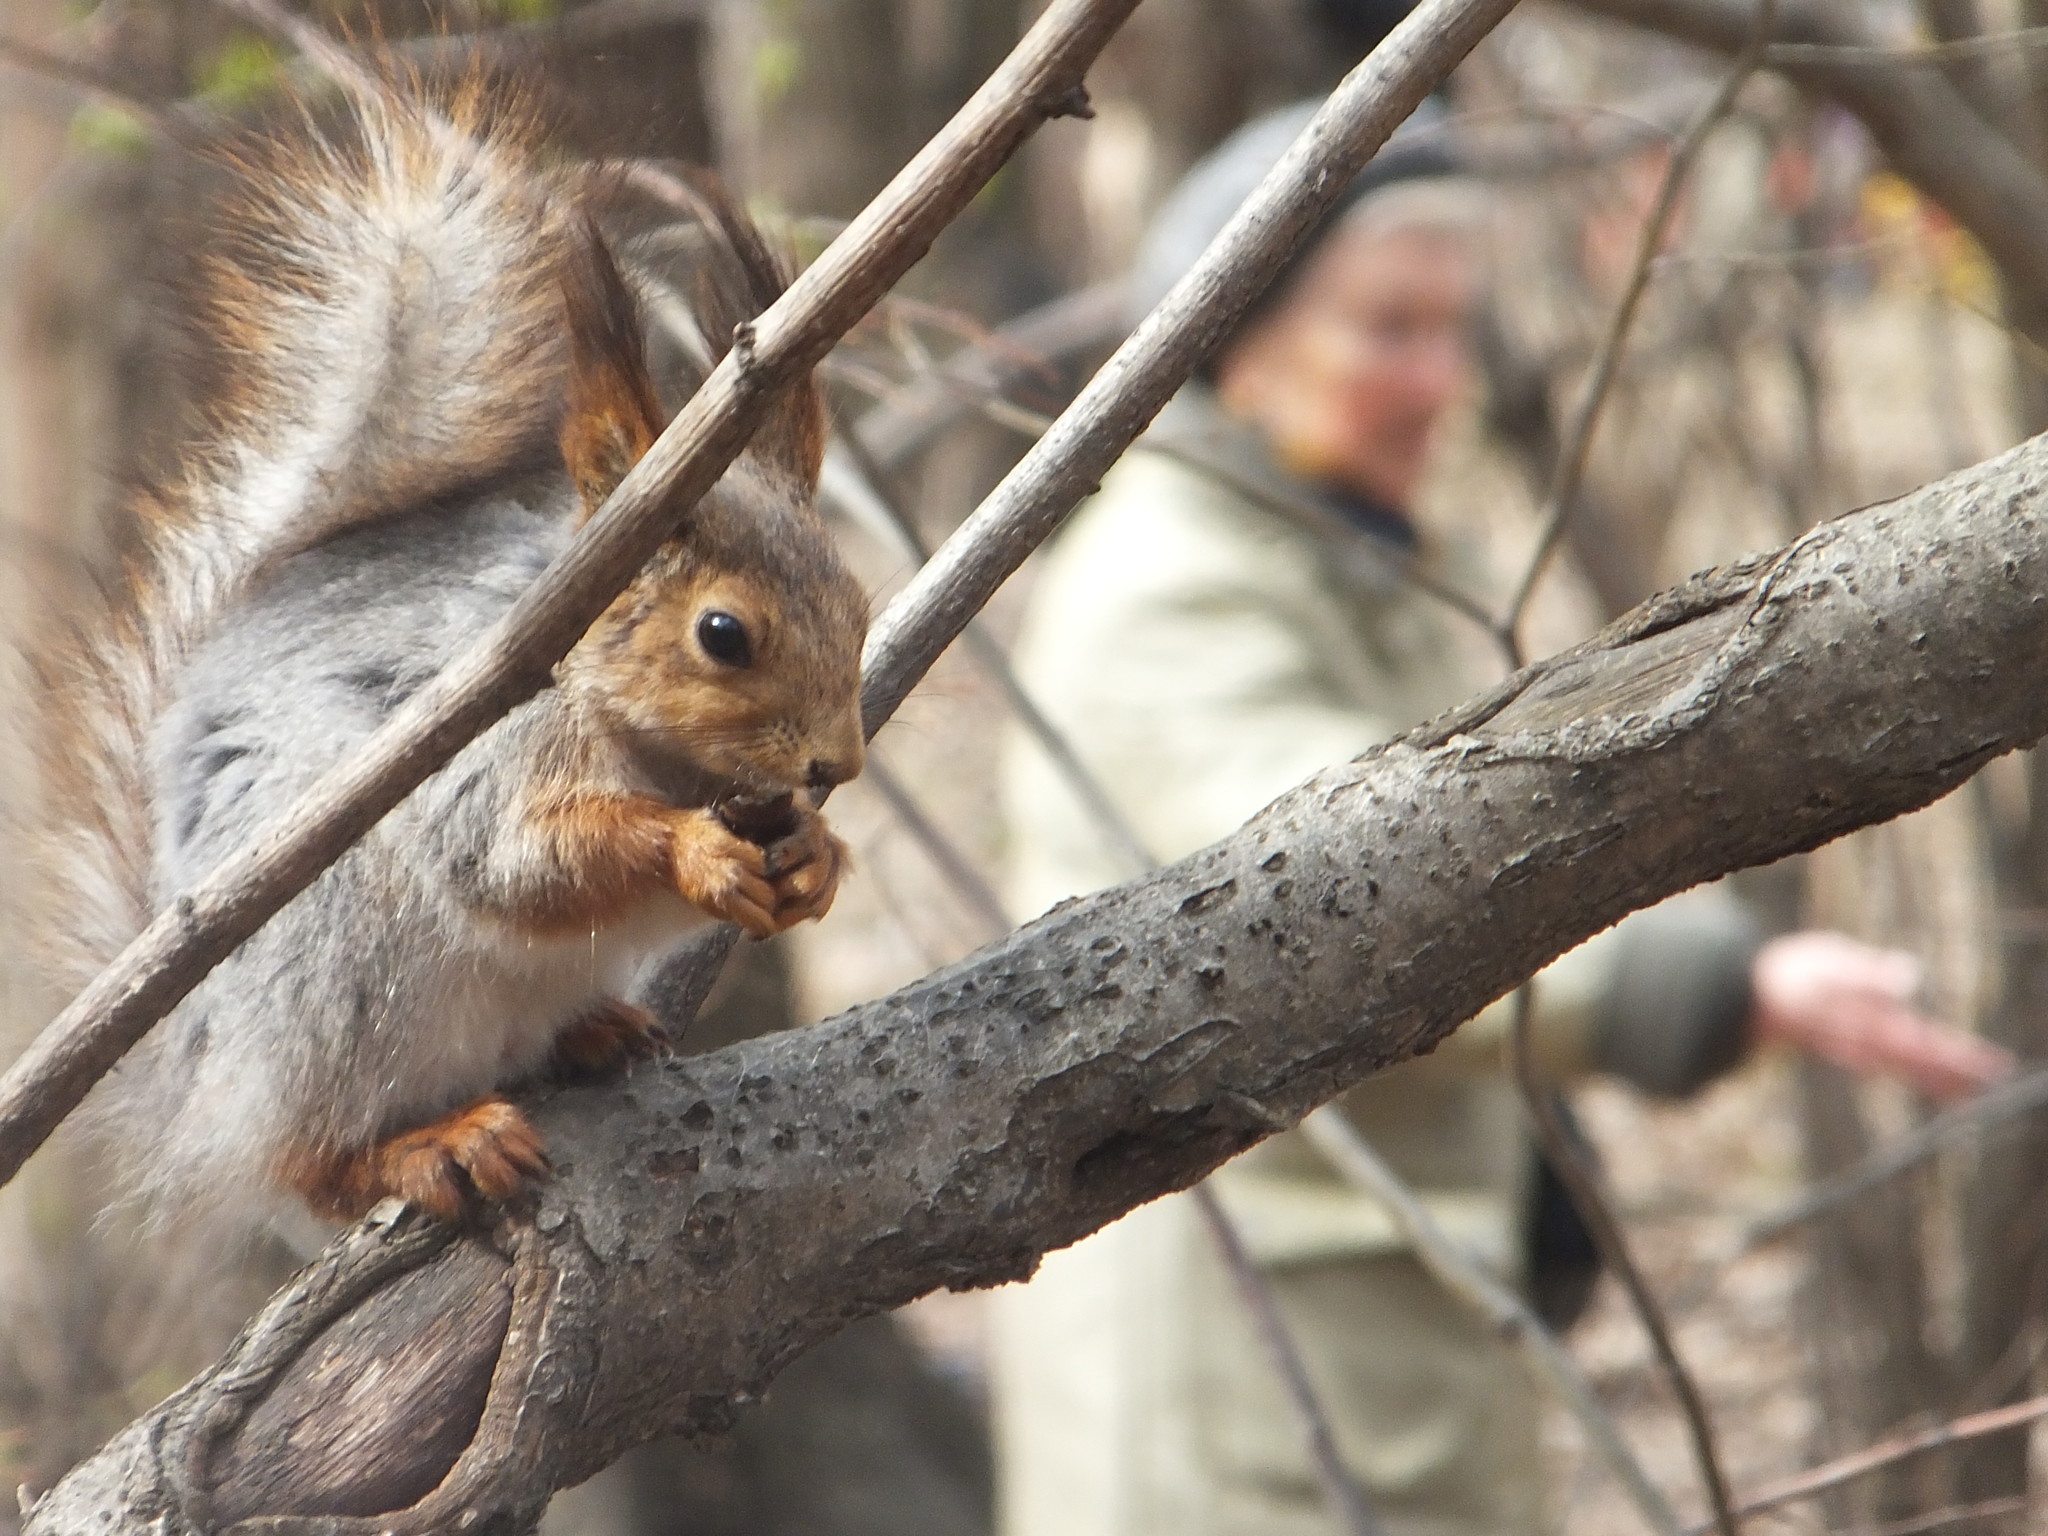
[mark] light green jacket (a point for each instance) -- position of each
(1209, 633)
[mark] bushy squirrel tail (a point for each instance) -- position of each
(382, 311)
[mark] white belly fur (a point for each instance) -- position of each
(503, 996)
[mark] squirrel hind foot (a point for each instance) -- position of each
(607, 1040)
(482, 1155)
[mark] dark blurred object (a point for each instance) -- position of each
(762, 819)
(1563, 1259)
(1356, 27)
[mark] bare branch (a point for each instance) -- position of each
(1952, 1514)
(1341, 1492)
(81, 78)
(1570, 467)
(1831, 1475)
(979, 895)
(1983, 45)
(1583, 1182)
(2022, 1096)
(1075, 323)
(990, 657)
(1305, 509)
(1927, 130)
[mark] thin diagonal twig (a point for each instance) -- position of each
(959, 871)
(2023, 1095)
(1341, 1491)
(1985, 44)
(82, 78)
(1585, 418)
(1561, 1147)
(990, 657)
(1506, 1313)
(1831, 1475)
(1402, 562)
(915, 415)
(1938, 1519)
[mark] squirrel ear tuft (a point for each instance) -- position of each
(613, 414)
(793, 436)
(741, 274)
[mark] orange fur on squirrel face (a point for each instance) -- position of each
(777, 707)
(787, 720)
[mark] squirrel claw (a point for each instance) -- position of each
(723, 873)
(611, 1037)
(806, 867)
(763, 890)
(481, 1155)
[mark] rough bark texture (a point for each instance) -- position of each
(715, 1216)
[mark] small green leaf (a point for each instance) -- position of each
(102, 127)
(778, 65)
(244, 69)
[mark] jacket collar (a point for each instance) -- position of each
(1368, 545)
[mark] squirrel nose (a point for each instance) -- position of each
(825, 773)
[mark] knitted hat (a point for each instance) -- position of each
(1195, 212)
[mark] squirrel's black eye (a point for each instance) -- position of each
(724, 638)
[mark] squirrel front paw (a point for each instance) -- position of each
(481, 1155)
(763, 890)
(720, 871)
(609, 1038)
(804, 868)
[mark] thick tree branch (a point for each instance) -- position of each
(715, 1216)
(1927, 130)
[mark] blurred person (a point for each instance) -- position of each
(1228, 615)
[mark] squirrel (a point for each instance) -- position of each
(435, 369)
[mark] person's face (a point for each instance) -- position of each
(1349, 377)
